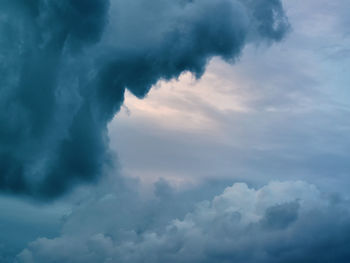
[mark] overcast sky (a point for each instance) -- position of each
(279, 113)
(243, 159)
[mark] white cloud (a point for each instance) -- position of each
(280, 222)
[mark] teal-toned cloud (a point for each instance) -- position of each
(66, 64)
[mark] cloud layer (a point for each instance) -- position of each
(65, 66)
(280, 222)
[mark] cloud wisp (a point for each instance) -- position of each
(65, 66)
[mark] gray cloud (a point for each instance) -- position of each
(66, 64)
(296, 126)
(280, 222)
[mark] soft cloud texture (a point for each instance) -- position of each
(66, 64)
(279, 114)
(282, 114)
(280, 222)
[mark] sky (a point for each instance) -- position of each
(174, 131)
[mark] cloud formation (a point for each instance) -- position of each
(280, 222)
(65, 65)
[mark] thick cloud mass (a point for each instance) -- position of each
(280, 222)
(65, 65)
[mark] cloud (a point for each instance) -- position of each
(280, 222)
(65, 66)
(275, 118)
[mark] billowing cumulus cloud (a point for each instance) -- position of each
(280, 222)
(65, 65)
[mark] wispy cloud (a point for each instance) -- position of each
(66, 65)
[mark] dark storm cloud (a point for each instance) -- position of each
(65, 65)
(47, 141)
(280, 222)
